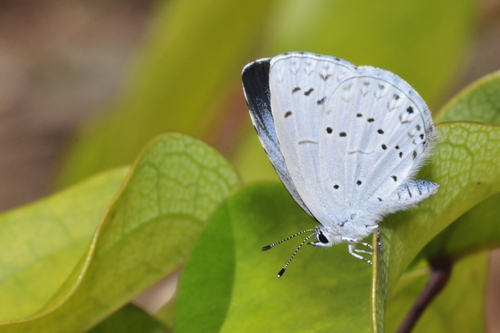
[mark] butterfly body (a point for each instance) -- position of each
(345, 140)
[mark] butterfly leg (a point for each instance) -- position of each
(351, 245)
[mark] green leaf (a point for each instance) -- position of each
(148, 232)
(129, 319)
(179, 83)
(478, 102)
(235, 283)
(475, 230)
(41, 243)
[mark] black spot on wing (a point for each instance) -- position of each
(321, 101)
(324, 77)
(329, 130)
(395, 178)
(288, 114)
(342, 134)
(409, 110)
(294, 90)
(370, 120)
(307, 93)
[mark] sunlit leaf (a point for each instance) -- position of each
(235, 283)
(147, 232)
(41, 243)
(478, 102)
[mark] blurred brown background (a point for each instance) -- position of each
(62, 61)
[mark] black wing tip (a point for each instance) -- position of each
(262, 61)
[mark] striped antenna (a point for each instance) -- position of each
(265, 248)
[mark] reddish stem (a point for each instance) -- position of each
(440, 274)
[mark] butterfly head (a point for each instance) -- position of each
(325, 237)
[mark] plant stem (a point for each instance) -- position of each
(441, 269)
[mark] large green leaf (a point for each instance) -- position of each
(179, 83)
(147, 232)
(235, 283)
(478, 102)
(41, 243)
(476, 229)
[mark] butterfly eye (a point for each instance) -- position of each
(322, 238)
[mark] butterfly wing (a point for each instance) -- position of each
(255, 78)
(350, 136)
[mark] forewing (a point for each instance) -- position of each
(255, 78)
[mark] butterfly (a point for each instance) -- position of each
(345, 141)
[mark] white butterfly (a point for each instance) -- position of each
(344, 140)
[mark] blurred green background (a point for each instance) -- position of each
(85, 85)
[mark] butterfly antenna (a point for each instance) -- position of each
(280, 274)
(265, 248)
